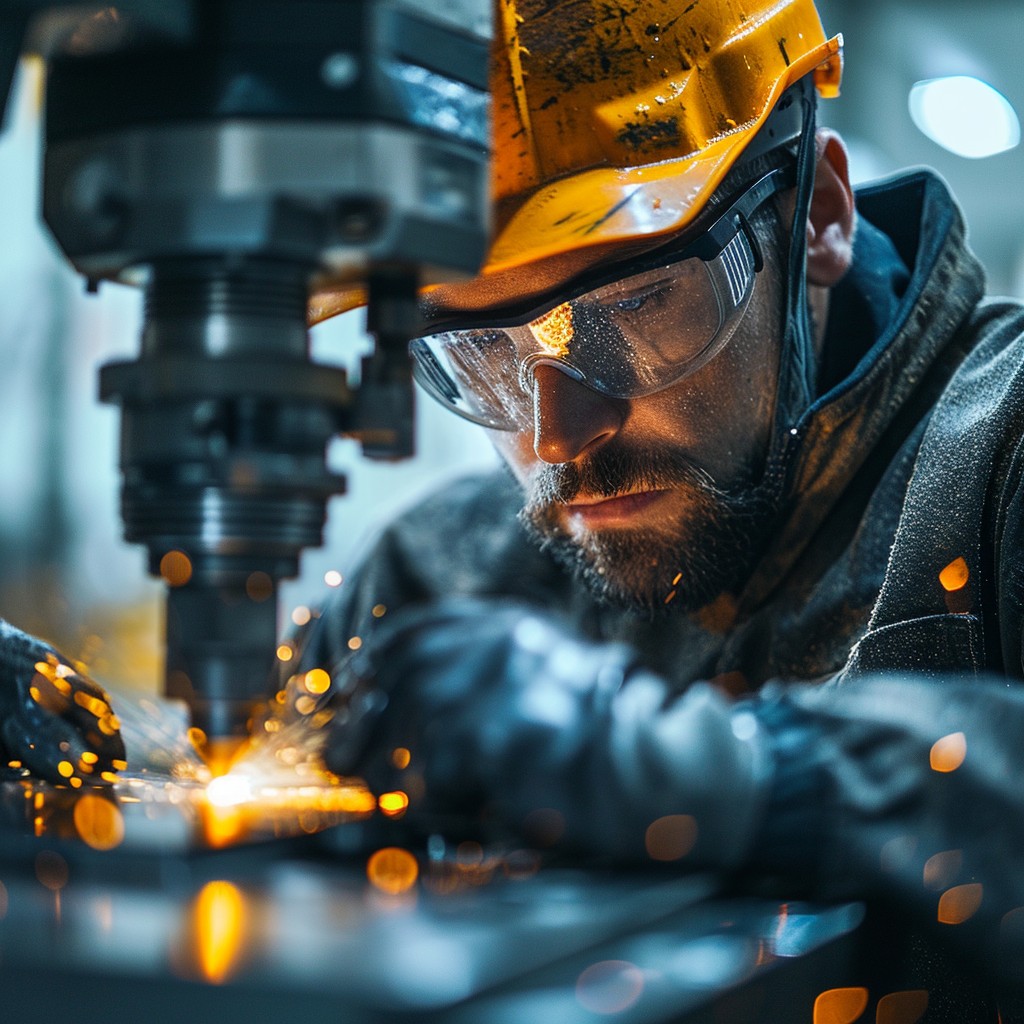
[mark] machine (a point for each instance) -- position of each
(226, 156)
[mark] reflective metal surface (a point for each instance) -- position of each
(318, 936)
(279, 892)
(120, 905)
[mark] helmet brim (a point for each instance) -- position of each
(581, 220)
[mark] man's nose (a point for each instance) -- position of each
(569, 419)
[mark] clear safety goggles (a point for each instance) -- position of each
(625, 337)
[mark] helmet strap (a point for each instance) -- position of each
(797, 361)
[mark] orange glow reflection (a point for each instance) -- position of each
(554, 330)
(840, 1005)
(955, 576)
(176, 568)
(219, 918)
(902, 1007)
(223, 826)
(393, 804)
(392, 870)
(941, 869)
(98, 821)
(960, 903)
(948, 753)
(671, 838)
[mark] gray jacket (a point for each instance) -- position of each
(895, 582)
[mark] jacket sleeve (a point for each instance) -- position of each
(904, 789)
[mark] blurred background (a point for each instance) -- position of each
(936, 83)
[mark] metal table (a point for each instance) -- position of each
(128, 914)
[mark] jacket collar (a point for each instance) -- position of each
(894, 326)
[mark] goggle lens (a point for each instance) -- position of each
(626, 338)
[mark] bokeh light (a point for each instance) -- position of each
(965, 115)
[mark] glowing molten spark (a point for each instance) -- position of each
(219, 921)
(840, 1005)
(554, 330)
(392, 870)
(948, 753)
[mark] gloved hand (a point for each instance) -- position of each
(509, 717)
(56, 723)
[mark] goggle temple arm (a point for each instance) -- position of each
(736, 218)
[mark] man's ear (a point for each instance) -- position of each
(830, 221)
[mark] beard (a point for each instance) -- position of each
(683, 564)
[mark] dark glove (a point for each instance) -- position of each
(54, 722)
(508, 716)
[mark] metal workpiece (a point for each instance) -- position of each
(443, 934)
(275, 891)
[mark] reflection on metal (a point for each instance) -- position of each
(98, 821)
(840, 1005)
(960, 903)
(52, 872)
(902, 1007)
(610, 986)
(156, 813)
(948, 753)
(502, 941)
(392, 870)
(219, 918)
(170, 799)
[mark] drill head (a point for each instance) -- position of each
(220, 643)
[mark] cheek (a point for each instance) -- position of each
(516, 451)
(724, 412)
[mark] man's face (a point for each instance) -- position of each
(653, 501)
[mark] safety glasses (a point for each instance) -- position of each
(625, 337)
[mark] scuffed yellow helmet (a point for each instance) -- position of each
(614, 121)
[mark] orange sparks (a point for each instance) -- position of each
(948, 753)
(393, 804)
(840, 1005)
(392, 870)
(176, 568)
(960, 903)
(955, 576)
(316, 681)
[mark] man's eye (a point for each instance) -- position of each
(485, 341)
(633, 303)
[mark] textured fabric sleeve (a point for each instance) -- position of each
(908, 790)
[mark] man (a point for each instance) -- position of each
(758, 435)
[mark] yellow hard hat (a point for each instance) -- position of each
(614, 122)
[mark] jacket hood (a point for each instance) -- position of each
(892, 342)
